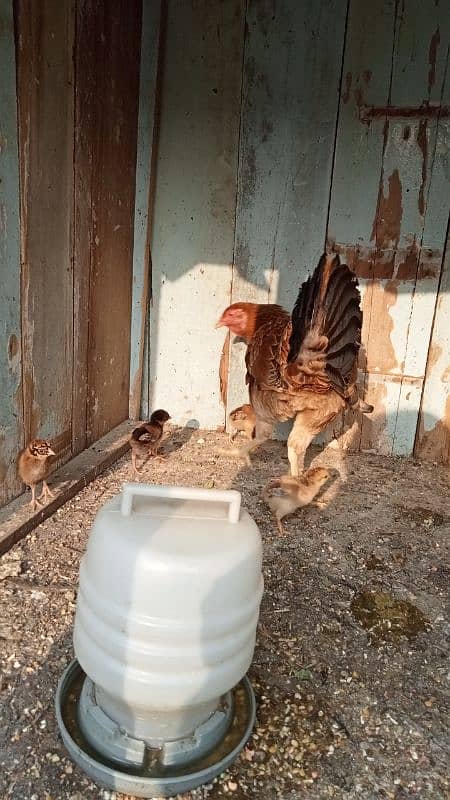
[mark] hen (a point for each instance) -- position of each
(303, 365)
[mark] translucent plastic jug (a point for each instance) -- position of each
(168, 604)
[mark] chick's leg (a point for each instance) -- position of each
(136, 471)
(45, 491)
(34, 502)
(298, 442)
(280, 526)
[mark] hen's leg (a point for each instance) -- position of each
(298, 442)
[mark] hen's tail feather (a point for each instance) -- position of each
(328, 305)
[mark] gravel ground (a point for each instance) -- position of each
(344, 711)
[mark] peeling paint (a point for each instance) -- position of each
(377, 303)
(348, 85)
(373, 427)
(387, 222)
(433, 443)
(429, 264)
(426, 110)
(223, 369)
(422, 141)
(13, 346)
(434, 44)
(407, 264)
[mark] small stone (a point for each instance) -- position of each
(232, 786)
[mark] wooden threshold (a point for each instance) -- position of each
(17, 519)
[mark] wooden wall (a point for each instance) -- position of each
(66, 291)
(11, 404)
(286, 127)
(263, 131)
(390, 198)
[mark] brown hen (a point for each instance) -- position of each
(303, 365)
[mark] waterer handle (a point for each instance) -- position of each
(229, 496)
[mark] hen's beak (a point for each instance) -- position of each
(219, 323)
(51, 452)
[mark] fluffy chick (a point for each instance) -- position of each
(296, 492)
(146, 438)
(33, 466)
(242, 419)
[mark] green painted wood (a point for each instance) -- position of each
(359, 147)
(46, 104)
(11, 409)
(396, 57)
(292, 69)
(144, 160)
(111, 85)
(433, 434)
(194, 211)
(418, 77)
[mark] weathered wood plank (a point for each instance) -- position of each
(11, 407)
(150, 41)
(382, 236)
(45, 102)
(292, 69)
(193, 231)
(17, 519)
(112, 91)
(359, 147)
(433, 433)
(359, 156)
(85, 90)
(419, 77)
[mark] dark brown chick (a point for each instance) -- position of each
(296, 492)
(146, 438)
(33, 466)
(242, 419)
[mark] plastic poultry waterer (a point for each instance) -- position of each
(157, 701)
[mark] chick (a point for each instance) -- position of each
(297, 492)
(243, 419)
(33, 466)
(146, 438)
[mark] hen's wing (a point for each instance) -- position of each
(326, 330)
(267, 351)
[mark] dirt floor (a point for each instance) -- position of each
(352, 686)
